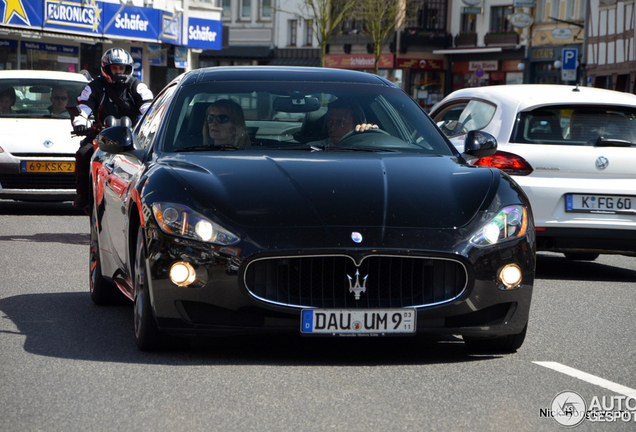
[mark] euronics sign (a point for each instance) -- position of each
(110, 20)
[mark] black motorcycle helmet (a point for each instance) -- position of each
(117, 56)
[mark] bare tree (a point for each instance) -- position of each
(382, 18)
(325, 17)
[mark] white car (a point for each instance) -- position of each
(571, 149)
(37, 151)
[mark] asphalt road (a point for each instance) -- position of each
(68, 365)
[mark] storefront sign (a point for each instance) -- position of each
(472, 10)
(562, 33)
(171, 26)
(358, 61)
(487, 65)
(61, 49)
(76, 17)
(5, 43)
(131, 22)
(523, 3)
(521, 20)
(543, 54)
(471, 2)
(110, 20)
(204, 34)
(410, 63)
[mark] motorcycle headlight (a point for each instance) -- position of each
(510, 223)
(182, 221)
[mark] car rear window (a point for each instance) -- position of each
(576, 125)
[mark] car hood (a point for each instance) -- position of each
(38, 135)
(294, 189)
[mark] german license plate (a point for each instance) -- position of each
(352, 322)
(609, 204)
(43, 166)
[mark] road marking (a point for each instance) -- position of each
(592, 379)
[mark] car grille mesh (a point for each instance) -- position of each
(38, 181)
(323, 281)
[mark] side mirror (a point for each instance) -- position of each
(116, 139)
(479, 144)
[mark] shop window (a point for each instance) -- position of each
(622, 83)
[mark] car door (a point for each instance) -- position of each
(121, 173)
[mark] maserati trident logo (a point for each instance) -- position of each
(48, 144)
(602, 162)
(356, 288)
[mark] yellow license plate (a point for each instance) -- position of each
(48, 166)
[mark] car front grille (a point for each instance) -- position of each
(327, 281)
(38, 181)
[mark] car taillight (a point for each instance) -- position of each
(508, 162)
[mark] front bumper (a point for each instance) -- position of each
(219, 301)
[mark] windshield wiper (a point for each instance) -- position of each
(612, 142)
(207, 148)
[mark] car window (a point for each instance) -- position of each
(458, 119)
(152, 119)
(279, 114)
(35, 98)
(576, 125)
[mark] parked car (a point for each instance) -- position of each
(36, 147)
(573, 151)
(388, 233)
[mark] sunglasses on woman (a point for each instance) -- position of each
(221, 118)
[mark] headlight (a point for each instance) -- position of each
(510, 223)
(179, 220)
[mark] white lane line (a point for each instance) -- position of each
(592, 379)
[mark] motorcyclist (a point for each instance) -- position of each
(114, 93)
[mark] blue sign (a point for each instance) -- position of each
(171, 28)
(74, 17)
(97, 18)
(137, 53)
(61, 49)
(21, 13)
(206, 34)
(132, 22)
(569, 58)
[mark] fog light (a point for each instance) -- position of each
(182, 273)
(510, 276)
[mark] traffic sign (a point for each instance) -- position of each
(568, 64)
(569, 57)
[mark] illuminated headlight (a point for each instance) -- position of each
(510, 276)
(182, 273)
(510, 223)
(179, 220)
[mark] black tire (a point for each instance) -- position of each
(502, 344)
(103, 292)
(581, 256)
(147, 334)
